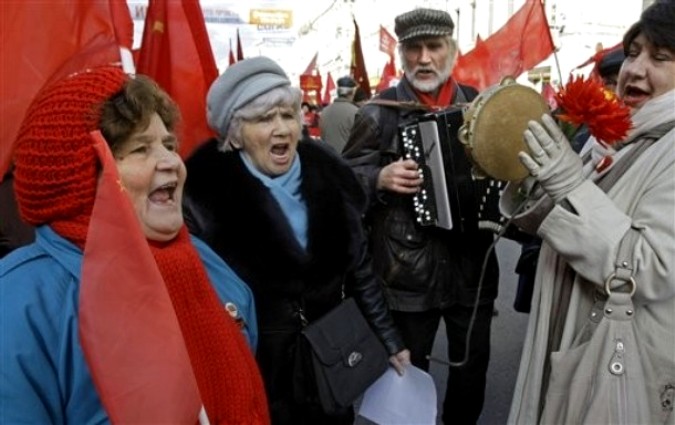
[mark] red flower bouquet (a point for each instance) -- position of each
(586, 101)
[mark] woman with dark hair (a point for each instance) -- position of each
(608, 234)
(131, 331)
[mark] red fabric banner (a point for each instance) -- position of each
(475, 67)
(358, 65)
(522, 43)
(310, 82)
(388, 74)
(231, 59)
(311, 67)
(597, 58)
(176, 52)
(142, 373)
(240, 49)
(44, 43)
(330, 86)
(387, 42)
(548, 93)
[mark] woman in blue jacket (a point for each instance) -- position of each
(86, 336)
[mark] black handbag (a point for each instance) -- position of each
(347, 356)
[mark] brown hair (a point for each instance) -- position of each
(130, 110)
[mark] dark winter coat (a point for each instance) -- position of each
(422, 267)
(237, 216)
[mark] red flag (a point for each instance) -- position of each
(387, 42)
(142, 373)
(358, 65)
(548, 94)
(176, 53)
(474, 68)
(240, 50)
(232, 60)
(597, 58)
(523, 42)
(388, 74)
(46, 43)
(330, 86)
(311, 67)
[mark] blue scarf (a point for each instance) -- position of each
(286, 190)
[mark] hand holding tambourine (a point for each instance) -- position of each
(550, 158)
(493, 129)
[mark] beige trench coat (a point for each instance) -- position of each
(580, 249)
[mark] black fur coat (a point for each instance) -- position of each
(230, 209)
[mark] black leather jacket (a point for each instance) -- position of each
(422, 267)
(230, 209)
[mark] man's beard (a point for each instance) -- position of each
(427, 86)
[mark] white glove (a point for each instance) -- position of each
(551, 160)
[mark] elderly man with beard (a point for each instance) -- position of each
(427, 272)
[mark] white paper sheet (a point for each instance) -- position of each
(401, 400)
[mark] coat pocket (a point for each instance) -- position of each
(404, 257)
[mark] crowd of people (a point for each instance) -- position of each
(141, 287)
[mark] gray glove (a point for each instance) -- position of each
(551, 159)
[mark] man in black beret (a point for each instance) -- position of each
(428, 272)
(337, 118)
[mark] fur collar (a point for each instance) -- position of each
(250, 232)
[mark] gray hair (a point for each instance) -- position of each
(280, 96)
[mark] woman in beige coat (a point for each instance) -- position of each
(583, 228)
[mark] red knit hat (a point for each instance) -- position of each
(55, 163)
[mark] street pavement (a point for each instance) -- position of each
(508, 333)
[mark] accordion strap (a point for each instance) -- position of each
(408, 105)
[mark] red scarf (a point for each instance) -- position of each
(227, 375)
(445, 95)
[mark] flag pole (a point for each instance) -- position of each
(555, 50)
(557, 65)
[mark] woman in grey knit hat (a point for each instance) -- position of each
(287, 216)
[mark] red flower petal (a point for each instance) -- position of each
(587, 102)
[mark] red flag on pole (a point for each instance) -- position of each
(330, 86)
(232, 60)
(548, 93)
(34, 54)
(475, 67)
(358, 65)
(146, 369)
(176, 52)
(387, 42)
(523, 42)
(240, 50)
(311, 67)
(388, 74)
(597, 58)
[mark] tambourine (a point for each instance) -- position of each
(493, 128)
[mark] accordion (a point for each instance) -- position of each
(451, 197)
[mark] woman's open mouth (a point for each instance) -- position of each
(633, 96)
(164, 193)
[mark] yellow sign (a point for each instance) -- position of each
(271, 18)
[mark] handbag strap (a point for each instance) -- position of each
(623, 269)
(623, 266)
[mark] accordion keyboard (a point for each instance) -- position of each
(424, 201)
